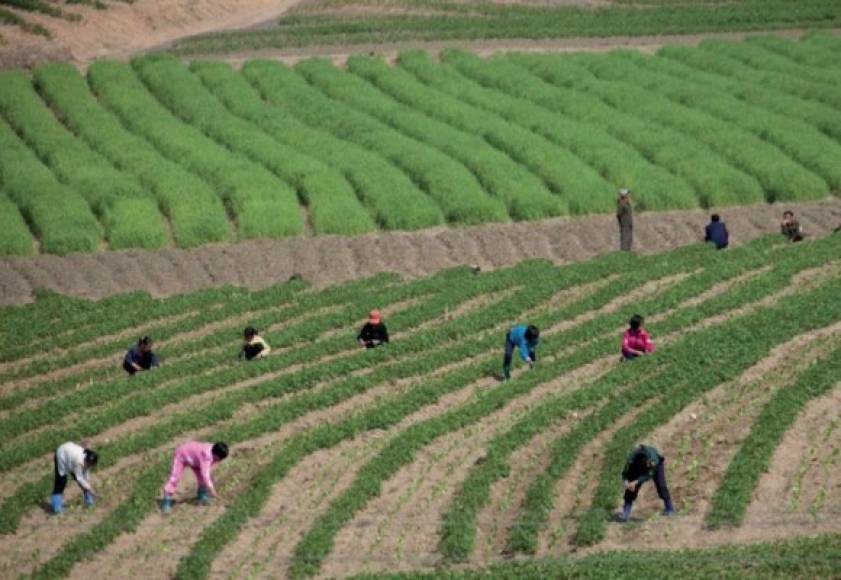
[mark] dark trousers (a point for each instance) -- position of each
(60, 481)
(659, 483)
(372, 343)
(145, 363)
(509, 355)
(626, 238)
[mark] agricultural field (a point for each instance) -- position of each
(412, 458)
(155, 153)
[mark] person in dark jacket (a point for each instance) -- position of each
(374, 333)
(524, 339)
(716, 232)
(140, 357)
(625, 217)
(644, 463)
(791, 228)
(253, 345)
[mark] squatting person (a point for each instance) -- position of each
(76, 461)
(140, 357)
(373, 333)
(644, 463)
(525, 339)
(790, 227)
(253, 345)
(636, 341)
(716, 232)
(200, 457)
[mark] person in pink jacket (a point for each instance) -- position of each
(199, 457)
(636, 340)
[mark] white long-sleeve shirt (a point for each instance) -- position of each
(70, 459)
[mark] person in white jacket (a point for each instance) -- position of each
(76, 461)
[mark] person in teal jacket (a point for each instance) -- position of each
(524, 339)
(645, 463)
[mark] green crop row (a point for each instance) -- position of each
(607, 79)
(754, 456)
(392, 198)
(195, 211)
(59, 216)
(815, 557)
(365, 22)
(522, 191)
(330, 198)
(733, 352)
(715, 181)
(262, 204)
(130, 216)
(458, 529)
(450, 184)
(801, 141)
(15, 237)
(622, 165)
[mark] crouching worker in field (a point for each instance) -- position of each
(524, 339)
(200, 457)
(791, 228)
(374, 333)
(636, 340)
(140, 357)
(253, 345)
(76, 461)
(645, 463)
(716, 232)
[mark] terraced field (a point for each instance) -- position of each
(155, 153)
(412, 457)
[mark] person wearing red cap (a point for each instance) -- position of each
(374, 333)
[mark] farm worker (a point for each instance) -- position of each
(253, 345)
(76, 461)
(140, 357)
(373, 333)
(524, 339)
(716, 232)
(199, 457)
(791, 228)
(636, 341)
(645, 463)
(625, 217)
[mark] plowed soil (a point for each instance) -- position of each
(327, 260)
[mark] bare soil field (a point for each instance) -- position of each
(327, 260)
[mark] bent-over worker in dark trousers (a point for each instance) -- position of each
(140, 357)
(645, 463)
(374, 333)
(524, 339)
(76, 461)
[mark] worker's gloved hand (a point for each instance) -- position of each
(89, 499)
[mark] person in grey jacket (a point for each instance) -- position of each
(625, 217)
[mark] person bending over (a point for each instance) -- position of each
(140, 357)
(76, 461)
(525, 339)
(253, 345)
(645, 463)
(200, 457)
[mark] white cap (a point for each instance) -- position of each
(624, 191)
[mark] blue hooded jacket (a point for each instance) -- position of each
(517, 335)
(717, 234)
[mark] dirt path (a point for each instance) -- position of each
(325, 260)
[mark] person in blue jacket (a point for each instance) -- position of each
(524, 339)
(716, 232)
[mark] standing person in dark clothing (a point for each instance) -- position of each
(253, 345)
(645, 463)
(374, 333)
(140, 357)
(791, 228)
(716, 232)
(524, 339)
(625, 217)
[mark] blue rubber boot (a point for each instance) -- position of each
(202, 496)
(88, 499)
(669, 509)
(166, 504)
(626, 513)
(57, 502)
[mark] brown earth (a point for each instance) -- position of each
(328, 260)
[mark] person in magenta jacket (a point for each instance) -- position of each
(200, 457)
(636, 341)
